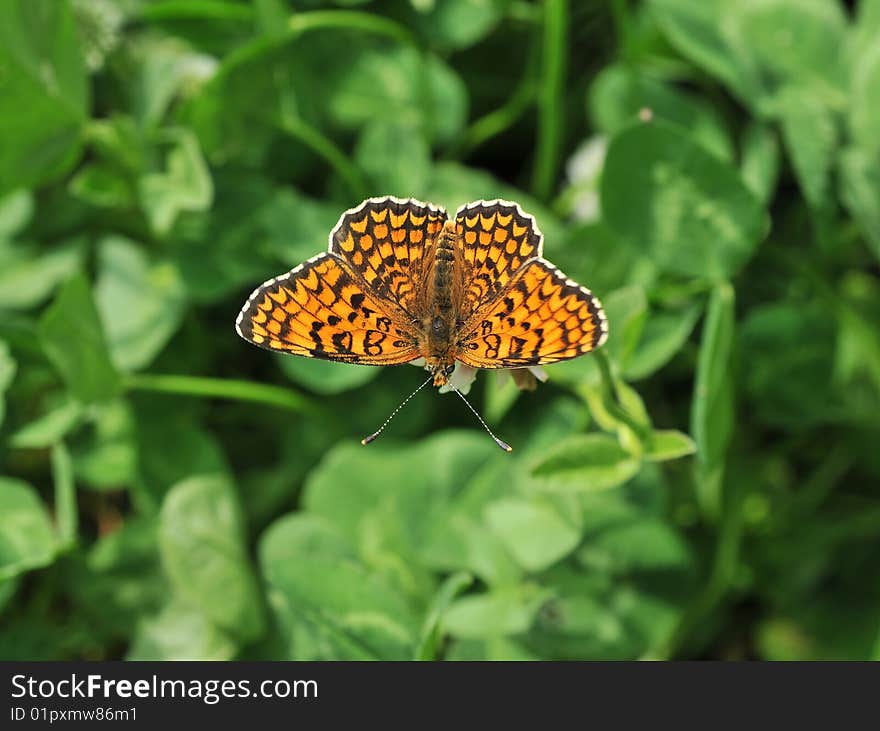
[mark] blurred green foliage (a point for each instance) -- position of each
(704, 486)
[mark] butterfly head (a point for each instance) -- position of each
(441, 372)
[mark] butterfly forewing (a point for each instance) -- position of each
(321, 310)
(386, 242)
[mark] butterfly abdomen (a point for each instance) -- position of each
(441, 314)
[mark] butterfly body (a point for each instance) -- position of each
(403, 281)
(438, 319)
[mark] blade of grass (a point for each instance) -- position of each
(498, 120)
(432, 630)
(550, 116)
(610, 398)
(224, 388)
(66, 518)
(325, 148)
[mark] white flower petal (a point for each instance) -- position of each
(539, 373)
(462, 378)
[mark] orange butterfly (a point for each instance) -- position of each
(400, 281)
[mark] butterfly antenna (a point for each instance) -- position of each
(504, 445)
(375, 434)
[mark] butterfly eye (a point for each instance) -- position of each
(448, 370)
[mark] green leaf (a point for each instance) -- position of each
(165, 68)
(535, 531)
(8, 589)
(181, 631)
(27, 540)
(395, 157)
(72, 338)
(50, 428)
(16, 210)
(508, 611)
(203, 552)
(317, 583)
(790, 349)
(759, 165)
(29, 275)
(171, 447)
(102, 186)
(618, 94)
(66, 517)
(663, 335)
(432, 629)
(627, 312)
(184, 185)
(643, 544)
(407, 485)
(678, 204)
(403, 514)
(697, 32)
(458, 24)
(295, 226)
(712, 406)
(141, 302)
(323, 376)
(399, 85)
(860, 192)
(7, 373)
(500, 395)
(864, 98)
(106, 456)
(666, 444)
(45, 97)
(586, 463)
(121, 145)
(239, 242)
(810, 135)
(758, 47)
(301, 78)
(118, 583)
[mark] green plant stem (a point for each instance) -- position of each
(204, 10)
(550, 95)
(225, 388)
(354, 19)
(610, 397)
(290, 122)
(620, 16)
(66, 516)
(720, 578)
(325, 148)
(498, 120)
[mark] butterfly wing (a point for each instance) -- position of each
(321, 310)
(522, 310)
(385, 243)
(495, 238)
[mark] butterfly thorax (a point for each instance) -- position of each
(440, 319)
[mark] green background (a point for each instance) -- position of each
(705, 486)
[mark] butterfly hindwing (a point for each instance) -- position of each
(495, 239)
(384, 242)
(540, 317)
(321, 310)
